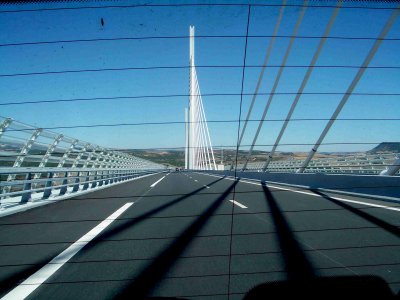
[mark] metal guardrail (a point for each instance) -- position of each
(357, 164)
(23, 145)
(58, 182)
(37, 164)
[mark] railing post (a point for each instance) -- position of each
(116, 176)
(48, 186)
(109, 173)
(100, 178)
(76, 185)
(27, 193)
(94, 183)
(86, 184)
(64, 188)
(86, 165)
(120, 174)
(106, 176)
(112, 178)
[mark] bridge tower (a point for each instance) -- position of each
(199, 154)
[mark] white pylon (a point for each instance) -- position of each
(199, 153)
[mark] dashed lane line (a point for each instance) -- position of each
(155, 183)
(238, 204)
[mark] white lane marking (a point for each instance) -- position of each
(195, 180)
(155, 183)
(35, 280)
(238, 204)
(369, 204)
(316, 195)
(338, 199)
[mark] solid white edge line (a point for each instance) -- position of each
(35, 280)
(316, 195)
(337, 198)
(155, 183)
(238, 204)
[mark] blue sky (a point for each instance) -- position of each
(175, 21)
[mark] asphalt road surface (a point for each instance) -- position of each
(193, 236)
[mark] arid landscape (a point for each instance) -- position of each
(176, 158)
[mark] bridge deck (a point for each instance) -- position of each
(175, 239)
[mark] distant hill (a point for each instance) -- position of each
(166, 157)
(176, 158)
(386, 147)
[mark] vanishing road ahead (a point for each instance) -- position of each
(169, 234)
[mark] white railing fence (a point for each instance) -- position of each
(40, 164)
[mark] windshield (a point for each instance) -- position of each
(295, 94)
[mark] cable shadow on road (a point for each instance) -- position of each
(297, 265)
(366, 216)
(6, 284)
(132, 222)
(143, 284)
(302, 280)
